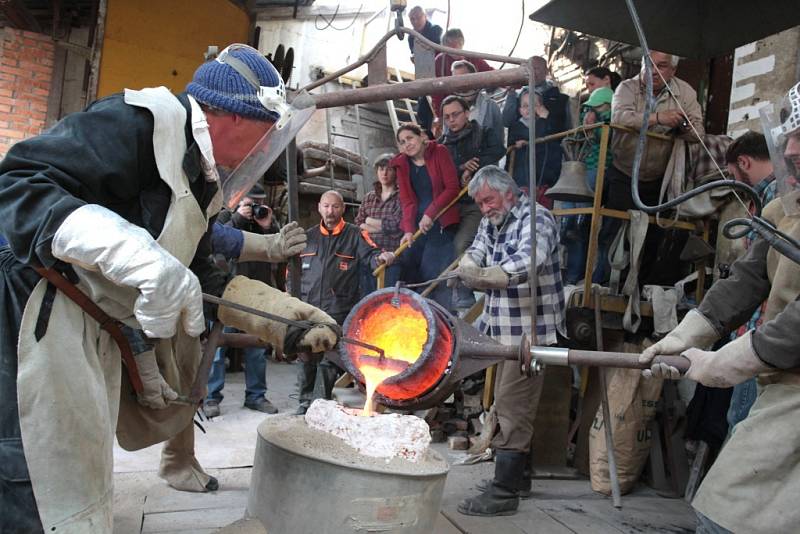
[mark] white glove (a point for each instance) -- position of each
(98, 239)
(481, 278)
(156, 393)
(732, 364)
(694, 331)
(274, 248)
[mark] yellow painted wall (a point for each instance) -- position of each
(149, 43)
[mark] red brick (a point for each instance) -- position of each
(9, 61)
(39, 116)
(12, 134)
(10, 54)
(7, 75)
(7, 100)
(4, 108)
(6, 92)
(39, 91)
(38, 107)
(15, 71)
(35, 67)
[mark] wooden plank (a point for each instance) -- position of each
(551, 426)
(444, 526)
(212, 518)
(597, 220)
(479, 525)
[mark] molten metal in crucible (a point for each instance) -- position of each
(428, 351)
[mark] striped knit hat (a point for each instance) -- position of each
(218, 84)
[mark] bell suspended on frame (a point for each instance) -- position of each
(571, 185)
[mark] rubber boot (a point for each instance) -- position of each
(502, 496)
(180, 468)
(525, 486)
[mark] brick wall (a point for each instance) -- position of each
(26, 69)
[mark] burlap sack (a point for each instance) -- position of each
(632, 404)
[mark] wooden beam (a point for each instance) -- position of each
(19, 17)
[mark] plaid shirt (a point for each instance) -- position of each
(390, 213)
(506, 312)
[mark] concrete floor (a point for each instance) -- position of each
(143, 503)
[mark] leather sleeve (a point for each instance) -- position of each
(731, 302)
(98, 156)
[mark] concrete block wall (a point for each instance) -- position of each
(26, 70)
(762, 73)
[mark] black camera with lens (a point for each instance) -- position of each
(260, 211)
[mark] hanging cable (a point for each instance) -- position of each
(329, 23)
(519, 33)
(778, 240)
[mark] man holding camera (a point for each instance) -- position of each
(252, 215)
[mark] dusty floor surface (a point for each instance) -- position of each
(143, 503)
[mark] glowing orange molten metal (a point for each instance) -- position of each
(401, 332)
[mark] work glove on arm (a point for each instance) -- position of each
(318, 338)
(274, 248)
(98, 239)
(694, 331)
(481, 277)
(156, 393)
(732, 364)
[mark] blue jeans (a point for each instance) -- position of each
(427, 257)
(255, 373)
(743, 397)
(577, 247)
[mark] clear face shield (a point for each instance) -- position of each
(782, 131)
(292, 118)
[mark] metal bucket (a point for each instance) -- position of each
(300, 487)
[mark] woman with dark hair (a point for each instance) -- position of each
(428, 181)
(597, 77)
(379, 215)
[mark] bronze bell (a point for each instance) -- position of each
(571, 185)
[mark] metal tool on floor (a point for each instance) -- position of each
(611, 455)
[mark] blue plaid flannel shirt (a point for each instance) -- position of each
(506, 312)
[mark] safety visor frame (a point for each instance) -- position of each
(272, 98)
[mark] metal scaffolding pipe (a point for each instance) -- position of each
(449, 85)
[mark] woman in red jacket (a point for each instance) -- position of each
(428, 181)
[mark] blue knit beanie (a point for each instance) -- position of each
(219, 85)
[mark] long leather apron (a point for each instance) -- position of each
(754, 484)
(69, 382)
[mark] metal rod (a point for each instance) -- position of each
(533, 279)
(611, 456)
(293, 201)
(450, 84)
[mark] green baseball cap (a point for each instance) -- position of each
(600, 96)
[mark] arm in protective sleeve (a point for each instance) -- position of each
(732, 301)
(91, 156)
(775, 342)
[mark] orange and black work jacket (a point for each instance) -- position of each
(331, 262)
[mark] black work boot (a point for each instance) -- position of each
(525, 490)
(502, 496)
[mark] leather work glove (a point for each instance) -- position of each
(242, 290)
(274, 248)
(732, 364)
(694, 331)
(481, 277)
(156, 393)
(98, 239)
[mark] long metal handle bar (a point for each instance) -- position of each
(419, 38)
(418, 233)
(277, 318)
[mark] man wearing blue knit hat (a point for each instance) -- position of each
(107, 217)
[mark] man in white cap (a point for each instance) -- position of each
(107, 216)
